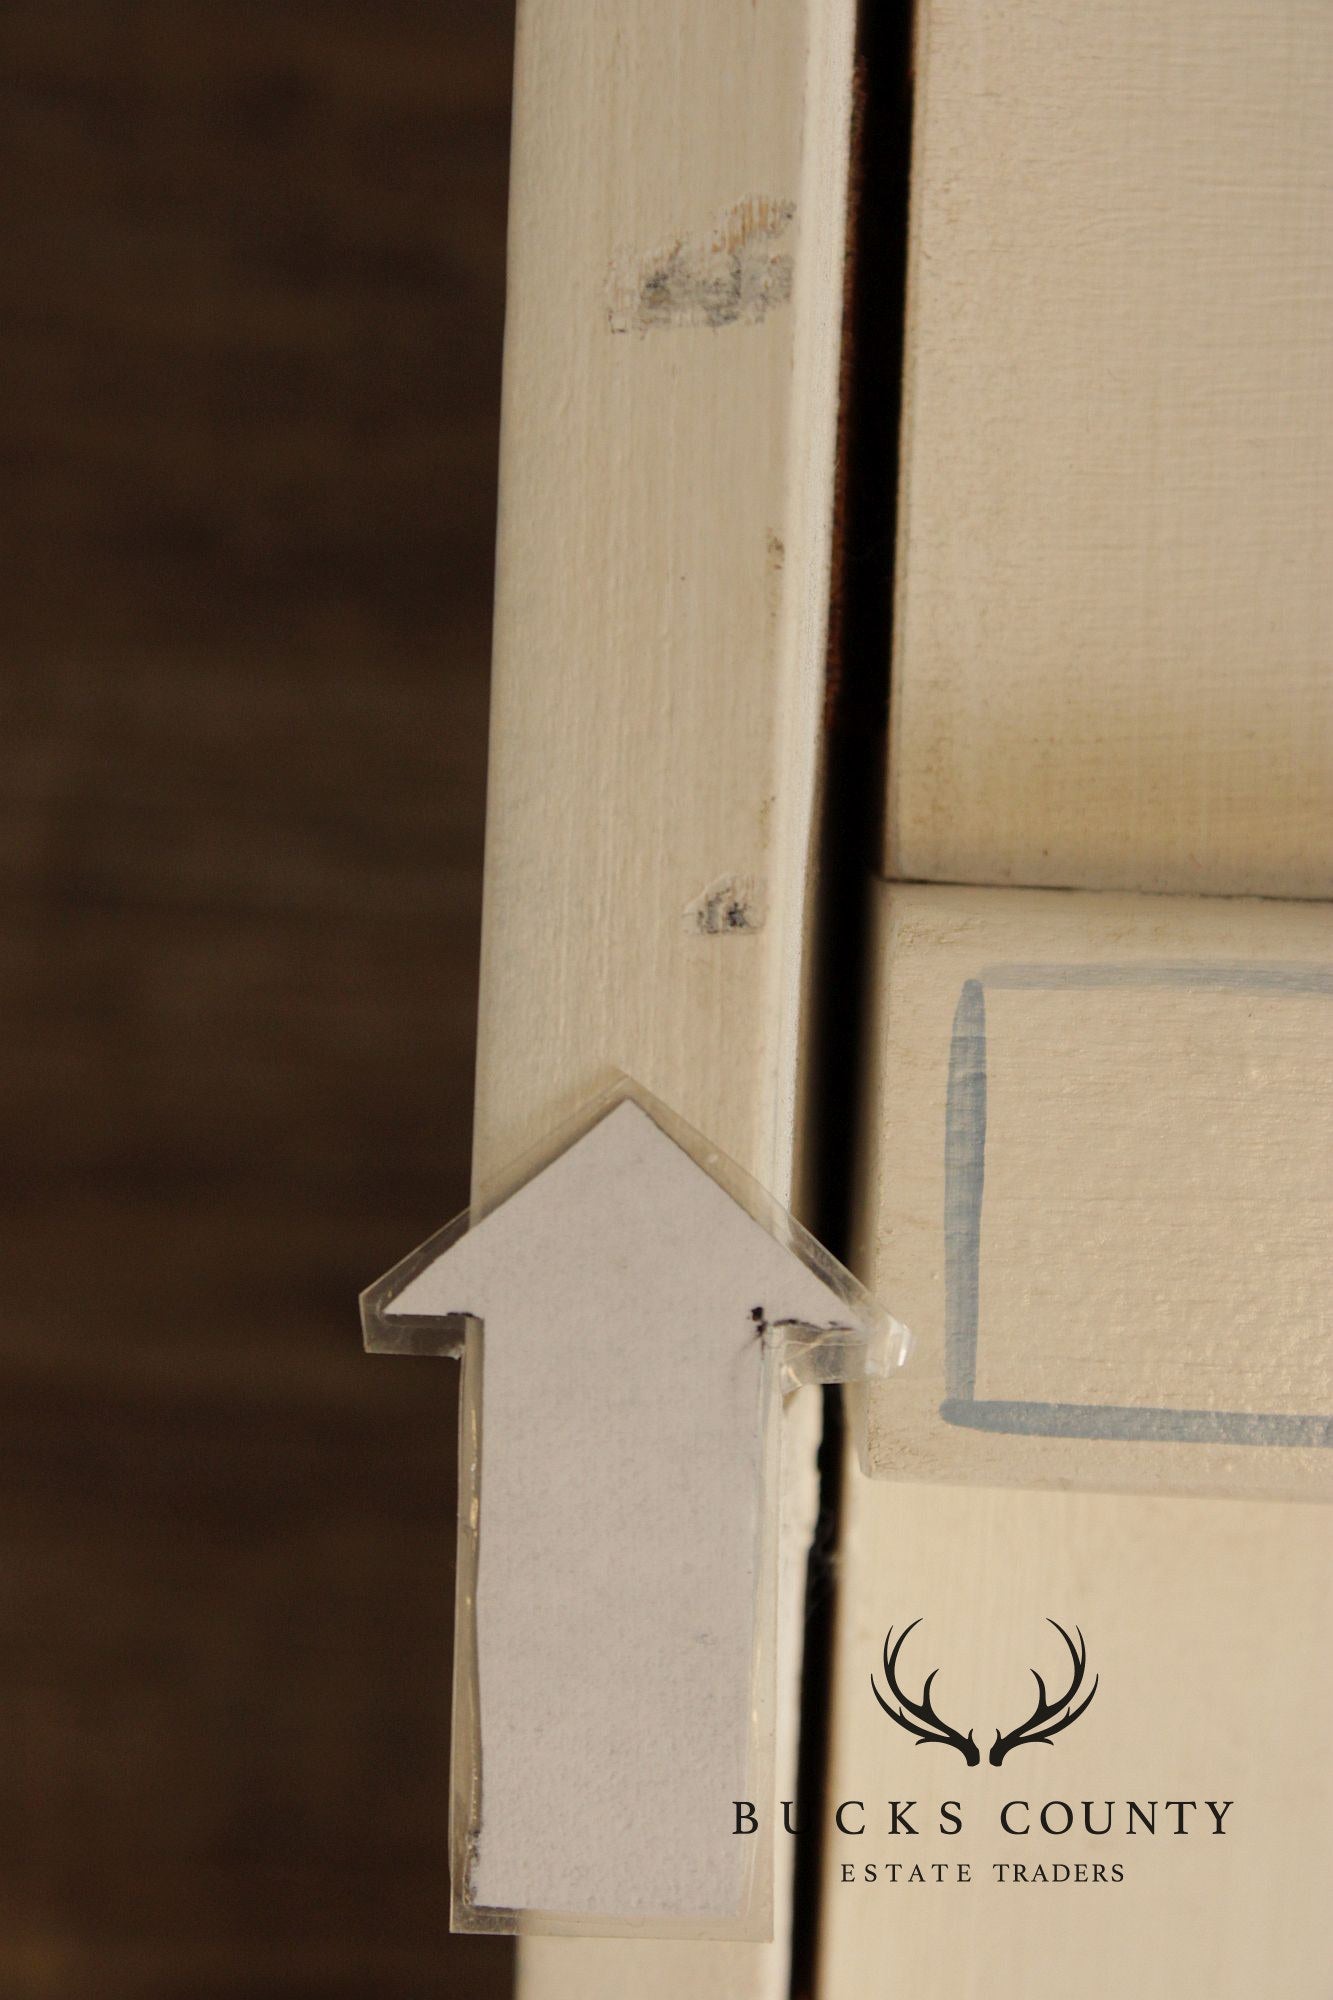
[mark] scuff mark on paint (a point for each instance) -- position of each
(775, 557)
(734, 905)
(733, 275)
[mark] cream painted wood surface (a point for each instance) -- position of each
(1153, 1233)
(1114, 630)
(670, 385)
(1098, 1185)
(1209, 1624)
(1112, 670)
(666, 478)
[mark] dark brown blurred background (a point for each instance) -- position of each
(252, 290)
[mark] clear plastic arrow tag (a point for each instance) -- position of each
(630, 1307)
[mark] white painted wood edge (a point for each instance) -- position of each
(666, 506)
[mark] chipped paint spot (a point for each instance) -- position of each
(733, 906)
(733, 274)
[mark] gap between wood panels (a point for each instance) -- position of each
(851, 814)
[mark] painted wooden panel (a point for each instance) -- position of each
(1099, 1178)
(1098, 1181)
(1208, 1627)
(665, 518)
(1114, 634)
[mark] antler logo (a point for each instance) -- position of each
(1047, 1719)
(920, 1719)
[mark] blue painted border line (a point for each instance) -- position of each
(1138, 1426)
(964, 1192)
(964, 1187)
(1219, 978)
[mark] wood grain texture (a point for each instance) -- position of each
(1098, 1185)
(1114, 632)
(1208, 1624)
(1096, 1188)
(665, 516)
(252, 297)
(1141, 1243)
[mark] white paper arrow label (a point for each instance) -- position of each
(616, 1535)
